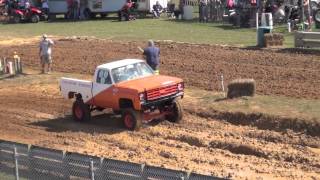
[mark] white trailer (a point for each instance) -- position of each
(89, 8)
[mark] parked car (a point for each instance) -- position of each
(130, 88)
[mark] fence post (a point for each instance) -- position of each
(91, 169)
(143, 176)
(1, 66)
(5, 65)
(20, 66)
(15, 156)
(222, 83)
(65, 166)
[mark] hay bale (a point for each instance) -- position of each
(273, 39)
(241, 87)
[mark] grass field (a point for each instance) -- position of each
(141, 29)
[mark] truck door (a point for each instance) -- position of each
(101, 91)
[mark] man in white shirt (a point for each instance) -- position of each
(45, 53)
(45, 7)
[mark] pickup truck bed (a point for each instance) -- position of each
(82, 87)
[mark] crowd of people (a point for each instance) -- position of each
(128, 9)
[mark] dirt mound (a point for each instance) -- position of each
(238, 148)
(277, 73)
(271, 136)
(263, 121)
(189, 139)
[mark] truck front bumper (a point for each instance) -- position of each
(161, 101)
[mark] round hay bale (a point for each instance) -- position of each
(241, 87)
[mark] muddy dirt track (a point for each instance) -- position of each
(32, 111)
(276, 72)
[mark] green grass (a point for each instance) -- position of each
(141, 29)
(272, 105)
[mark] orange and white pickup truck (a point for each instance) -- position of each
(130, 88)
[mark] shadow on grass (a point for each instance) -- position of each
(218, 24)
(63, 20)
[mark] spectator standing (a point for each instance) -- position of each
(45, 53)
(76, 9)
(27, 6)
(157, 9)
(203, 11)
(125, 11)
(45, 7)
(70, 9)
(181, 5)
(152, 54)
(21, 3)
(306, 9)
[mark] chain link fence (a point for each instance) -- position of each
(21, 161)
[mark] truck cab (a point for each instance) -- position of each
(130, 88)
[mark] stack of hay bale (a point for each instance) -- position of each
(241, 87)
(273, 39)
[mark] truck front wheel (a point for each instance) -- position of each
(132, 119)
(80, 111)
(176, 113)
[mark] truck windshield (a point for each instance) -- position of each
(131, 71)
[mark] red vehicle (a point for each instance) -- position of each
(31, 15)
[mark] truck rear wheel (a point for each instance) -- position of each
(132, 119)
(80, 111)
(176, 113)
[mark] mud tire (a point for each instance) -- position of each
(80, 111)
(132, 119)
(177, 113)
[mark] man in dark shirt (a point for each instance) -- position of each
(157, 9)
(152, 54)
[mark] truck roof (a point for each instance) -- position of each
(119, 63)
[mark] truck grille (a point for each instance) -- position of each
(161, 92)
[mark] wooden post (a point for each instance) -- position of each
(1, 66)
(5, 66)
(11, 68)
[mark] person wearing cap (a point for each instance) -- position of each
(152, 54)
(45, 53)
